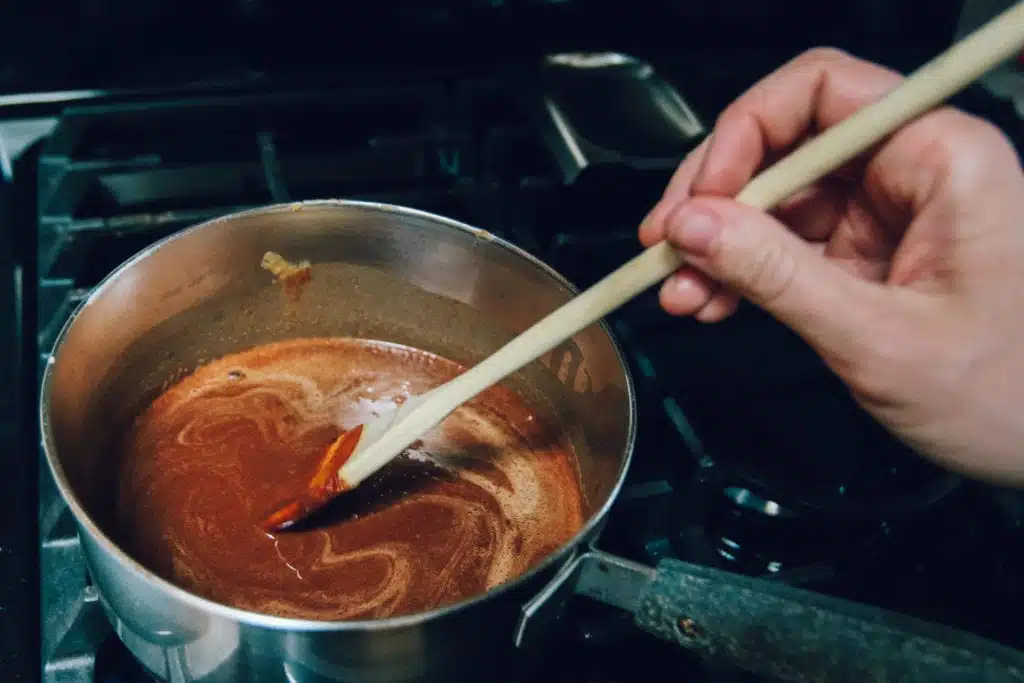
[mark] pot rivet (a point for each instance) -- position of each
(688, 628)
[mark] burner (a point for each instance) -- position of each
(745, 499)
(740, 530)
(755, 536)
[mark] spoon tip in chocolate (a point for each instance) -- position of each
(325, 485)
(282, 518)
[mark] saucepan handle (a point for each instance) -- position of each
(790, 634)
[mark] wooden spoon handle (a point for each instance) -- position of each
(927, 87)
(934, 82)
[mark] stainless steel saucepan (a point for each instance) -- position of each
(397, 274)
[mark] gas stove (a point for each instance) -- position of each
(750, 456)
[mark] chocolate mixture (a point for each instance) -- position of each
(484, 497)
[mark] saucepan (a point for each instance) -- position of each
(397, 274)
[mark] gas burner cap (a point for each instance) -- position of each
(593, 60)
(748, 500)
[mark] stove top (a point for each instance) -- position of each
(750, 456)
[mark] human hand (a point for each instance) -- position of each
(904, 270)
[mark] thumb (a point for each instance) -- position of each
(760, 259)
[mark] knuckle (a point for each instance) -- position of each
(986, 142)
(768, 272)
(959, 136)
(955, 155)
(734, 112)
(979, 130)
(823, 56)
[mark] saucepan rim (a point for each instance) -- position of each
(87, 525)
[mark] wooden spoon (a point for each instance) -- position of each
(360, 452)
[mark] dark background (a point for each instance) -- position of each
(58, 44)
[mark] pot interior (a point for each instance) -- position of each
(379, 272)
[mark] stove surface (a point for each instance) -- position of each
(750, 457)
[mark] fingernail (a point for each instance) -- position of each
(678, 285)
(694, 230)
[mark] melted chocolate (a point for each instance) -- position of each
(484, 497)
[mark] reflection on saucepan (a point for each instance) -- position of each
(478, 502)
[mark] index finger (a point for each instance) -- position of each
(677, 190)
(812, 92)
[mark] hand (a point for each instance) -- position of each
(904, 271)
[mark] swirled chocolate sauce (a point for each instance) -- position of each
(485, 496)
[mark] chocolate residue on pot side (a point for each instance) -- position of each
(485, 497)
(293, 276)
